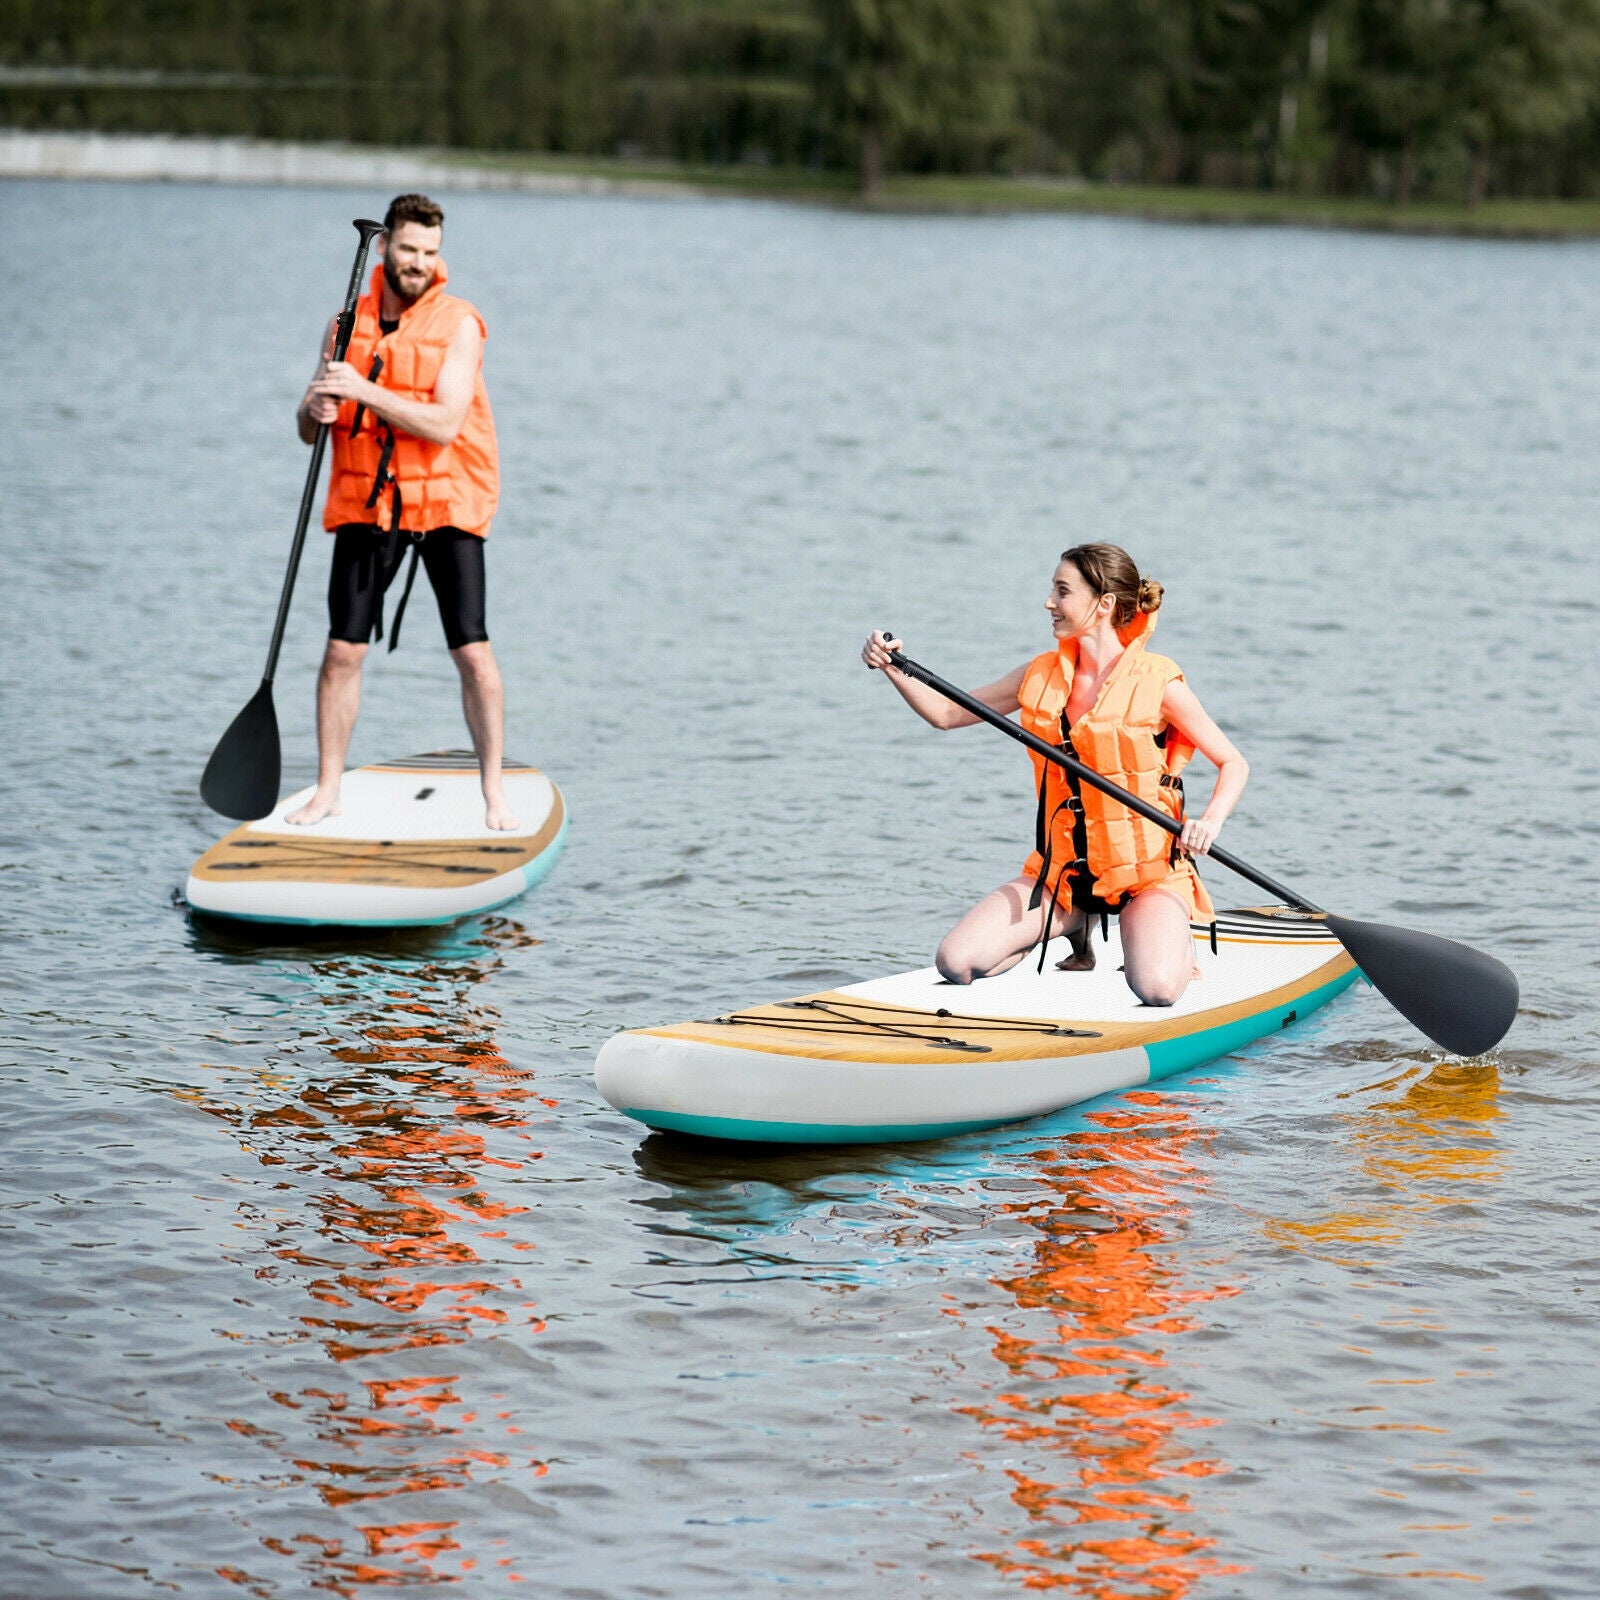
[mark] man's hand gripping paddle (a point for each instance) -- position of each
(1464, 1000)
(241, 778)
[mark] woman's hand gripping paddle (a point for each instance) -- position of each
(1461, 998)
(241, 778)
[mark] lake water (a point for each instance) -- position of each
(326, 1270)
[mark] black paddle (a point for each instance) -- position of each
(241, 778)
(1461, 998)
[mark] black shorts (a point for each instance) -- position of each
(366, 560)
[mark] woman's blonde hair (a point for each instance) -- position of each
(1109, 569)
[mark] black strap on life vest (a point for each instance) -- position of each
(361, 411)
(381, 566)
(1082, 895)
(1169, 781)
(384, 479)
(405, 594)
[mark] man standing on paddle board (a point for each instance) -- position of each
(415, 464)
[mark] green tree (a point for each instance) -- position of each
(944, 73)
(1228, 88)
(1421, 76)
(1527, 74)
(1102, 95)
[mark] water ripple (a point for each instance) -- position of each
(323, 1268)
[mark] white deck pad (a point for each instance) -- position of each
(1252, 957)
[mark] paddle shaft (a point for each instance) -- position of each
(341, 344)
(1088, 775)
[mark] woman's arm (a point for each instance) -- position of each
(928, 703)
(1182, 709)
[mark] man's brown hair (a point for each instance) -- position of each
(412, 208)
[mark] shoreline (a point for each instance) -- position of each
(174, 158)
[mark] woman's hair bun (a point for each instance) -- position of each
(1150, 593)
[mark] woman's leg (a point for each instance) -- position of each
(1157, 946)
(997, 932)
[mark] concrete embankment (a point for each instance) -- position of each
(169, 158)
(181, 159)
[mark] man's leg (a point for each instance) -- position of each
(455, 569)
(363, 562)
(338, 700)
(484, 701)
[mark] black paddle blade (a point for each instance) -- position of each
(1461, 998)
(241, 778)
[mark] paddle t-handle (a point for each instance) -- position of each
(346, 323)
(1461, 998)
(241, 778)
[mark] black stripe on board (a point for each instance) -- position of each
(1267, 923)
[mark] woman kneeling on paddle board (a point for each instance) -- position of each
(1128, 714)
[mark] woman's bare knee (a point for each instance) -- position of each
(1157, 949)
(952, 967)
(1158, 989)
(991, 937)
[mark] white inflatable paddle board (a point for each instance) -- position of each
(914, 1057)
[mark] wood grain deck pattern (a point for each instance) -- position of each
(834, 1026)
(248, 854)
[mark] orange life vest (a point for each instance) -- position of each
(1118, 738)
(455, 485)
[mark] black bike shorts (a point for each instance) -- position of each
(366, 561)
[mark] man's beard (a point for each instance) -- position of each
(392, 278)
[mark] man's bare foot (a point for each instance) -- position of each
(498, 815)
(1082, 957)
(320, 805)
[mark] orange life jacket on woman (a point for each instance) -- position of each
(1118, 737)
(376, 469)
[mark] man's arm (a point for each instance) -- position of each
(437, 420)
(315, 409)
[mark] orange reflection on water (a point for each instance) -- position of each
(1419, 1151)
(1107, 1506)
(398, 1237)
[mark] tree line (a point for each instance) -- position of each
(1404, 99)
